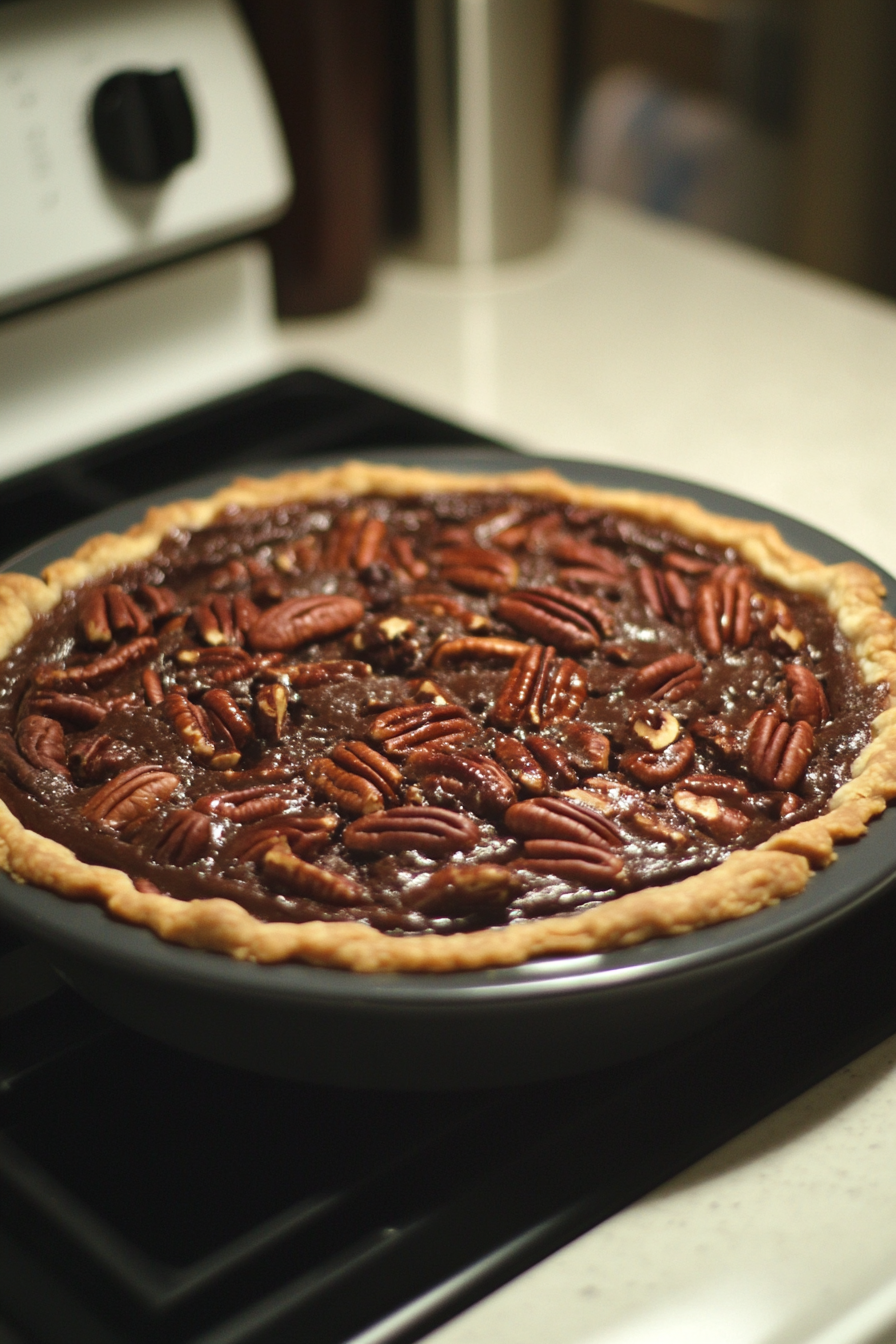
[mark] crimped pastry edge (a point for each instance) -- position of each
(747, 881)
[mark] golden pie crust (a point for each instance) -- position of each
(747, 881)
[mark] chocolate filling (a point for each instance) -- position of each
(428, 714)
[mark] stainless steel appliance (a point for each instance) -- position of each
(486, 104)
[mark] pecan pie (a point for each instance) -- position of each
(386, 719)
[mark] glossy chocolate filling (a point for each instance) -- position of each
(427, 714)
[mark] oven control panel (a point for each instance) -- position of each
(131, 131)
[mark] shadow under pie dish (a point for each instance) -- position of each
(385, 719)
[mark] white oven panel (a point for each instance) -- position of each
(65, 220)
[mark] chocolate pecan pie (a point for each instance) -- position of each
(386, 719)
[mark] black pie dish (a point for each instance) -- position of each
(477, 1028)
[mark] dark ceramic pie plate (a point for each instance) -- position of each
(543, 1019)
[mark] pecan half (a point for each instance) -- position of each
(723, 609)
(570, 622)
(478, 569)
(726, 787)
(285, 869)
(463, 888)
(471, 777)
(220, 664)
(225, 715)
(722, 822)
(130, 796)
(355, 540)
(191, 724)
(159, 601)
(271, 705)
(153, 689)
(587, 748)
(609, 794)
(304, 676)
(109, 611)
(19, 770)
(687, 564)
(413, 566)
(567, 840)
(225, 576)
(42, 743)
(671, 678)
(301, 620)
(560, 819)
(351, 792)
(222, 620)
(777, 753)
(266, 583)
(408, 726)
(303, 554)
(655, 768)
(648, 823)
(565, 692)
(664, 591)
(432, 831)
(540, 689)
(521, 765)
(368, 764)
(306, 836)
(96, 758)
(512, 537)
(185, 837)
(807, 699)
(497, 522)
(372, 536)
(242, 805)
(77, 710)
(554, 761)
(88, 676)
(216, 657)
(580, 576)
(475, 648)
(599, 559)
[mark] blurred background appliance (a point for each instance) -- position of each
(482, 129)
(770, 121)
(130, 133)
(326, 60)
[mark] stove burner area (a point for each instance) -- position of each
(148, 1195)
(152, 1198)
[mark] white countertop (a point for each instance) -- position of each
(785, 1235)
(645, 344)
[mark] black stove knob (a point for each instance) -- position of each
(143, 124)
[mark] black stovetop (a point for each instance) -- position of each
(149, 1196)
